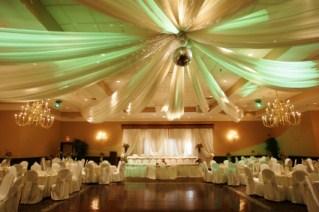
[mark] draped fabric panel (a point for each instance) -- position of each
(291, 22)
(301, 74)
(197, 86)
(176, 92)
(145, 14)
(43, 64)
(232, 110)
(138, 92)
(169, 142)
(204, 136)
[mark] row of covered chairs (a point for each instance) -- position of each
(10, 191)
(301, 190)
(104, 173)
(229, 174)
(67, 180)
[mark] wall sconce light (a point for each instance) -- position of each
(101, 136)
(232, 135)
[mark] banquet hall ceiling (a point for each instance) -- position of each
(73, 16)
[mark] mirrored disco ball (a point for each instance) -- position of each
(182, 56)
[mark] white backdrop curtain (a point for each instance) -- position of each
(169, 141)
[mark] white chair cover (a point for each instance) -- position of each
(43, 164)
(36, 167)
(278, 168)
(241, 172)
(297, 189)
(61, 189)
(32, 192)
(233, 177)
(207, 175)
(76, 170)
(272, 191)
(253, 185)
(4, 163)
(56, 167)
(6, 184)
(300, 167)
(82, 163)
(90, 173)
(56, 160)
(309, 165)
(11, 203)
(218, 175)
(311, 196)
(105, 173)
(118, 175)
(288, 165)
(19, 169)
(24, 164)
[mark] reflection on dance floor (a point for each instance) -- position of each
(160, 195)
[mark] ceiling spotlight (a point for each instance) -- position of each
(58, 104)
(118, 81)
(182, 56)
(258, 103)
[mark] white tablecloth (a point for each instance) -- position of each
(162, 172)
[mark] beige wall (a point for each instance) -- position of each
(251, 134)
(87, 132)
(27, 141)
(33, 141)
(300, 140)
(315, 128)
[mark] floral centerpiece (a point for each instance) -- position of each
(198, 147)
(126, 146)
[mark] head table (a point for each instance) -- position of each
(162, 167)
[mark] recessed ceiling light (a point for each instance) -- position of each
(250, 54)
(118, 81)
(86, 99)
(225, 81)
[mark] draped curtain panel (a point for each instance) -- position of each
(36, 64)
(169, 142)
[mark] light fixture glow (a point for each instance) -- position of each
(232, 135)
(101, 135)
(35, 113)
(280, 113)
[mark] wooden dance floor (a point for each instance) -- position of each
(177, 195)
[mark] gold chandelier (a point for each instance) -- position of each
(35, 113)
(280, 113)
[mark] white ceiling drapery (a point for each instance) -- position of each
(40, 64)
